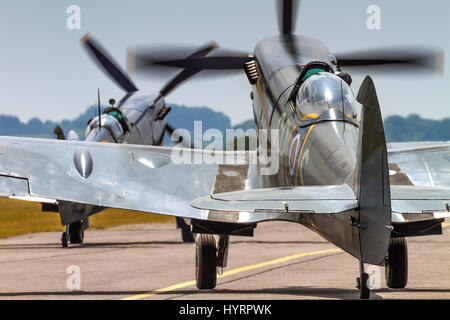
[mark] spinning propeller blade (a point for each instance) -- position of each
(394, 59)
(286, 15)
(109, 66)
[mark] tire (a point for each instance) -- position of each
(76, 232)
(206, 261)
(396, 269)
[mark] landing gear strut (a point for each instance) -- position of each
(222, 252)
(74, 233)
(205, 261)
(186, 233)
(396, 263)
(65, 237)
(362, 283)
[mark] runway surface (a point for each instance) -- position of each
(282, 261)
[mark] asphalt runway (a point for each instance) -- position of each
(282, 261)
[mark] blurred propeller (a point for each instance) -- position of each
(286, 10)
(394, 59)
(187, 73)
(108, 64)
(286, 15)
(178, 79)
(208, 63)
(385, 60)
(159, 60)
(114, 71)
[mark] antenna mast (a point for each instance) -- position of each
(98, 109)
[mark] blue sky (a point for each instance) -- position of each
(45, 72)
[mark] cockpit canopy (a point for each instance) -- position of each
(324, 91)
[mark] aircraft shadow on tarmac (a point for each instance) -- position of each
(318, 292)
(290, 291)
(278, 242)
(136, 243)
(85, 245)
(72, 293)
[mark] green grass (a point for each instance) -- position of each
(22, 217)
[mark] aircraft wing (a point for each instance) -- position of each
(323, 199)
(420, 193)
(419, 172)
(424, 164)
(286, 203)
(148, 179)
(420, 186)
(143, 178)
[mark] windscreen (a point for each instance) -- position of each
(324, 91)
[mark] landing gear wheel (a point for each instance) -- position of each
(206, 261)
(64, 239)
(76, 232)
(396, 264)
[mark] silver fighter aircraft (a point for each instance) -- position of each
(335, 173)
(139, 118)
